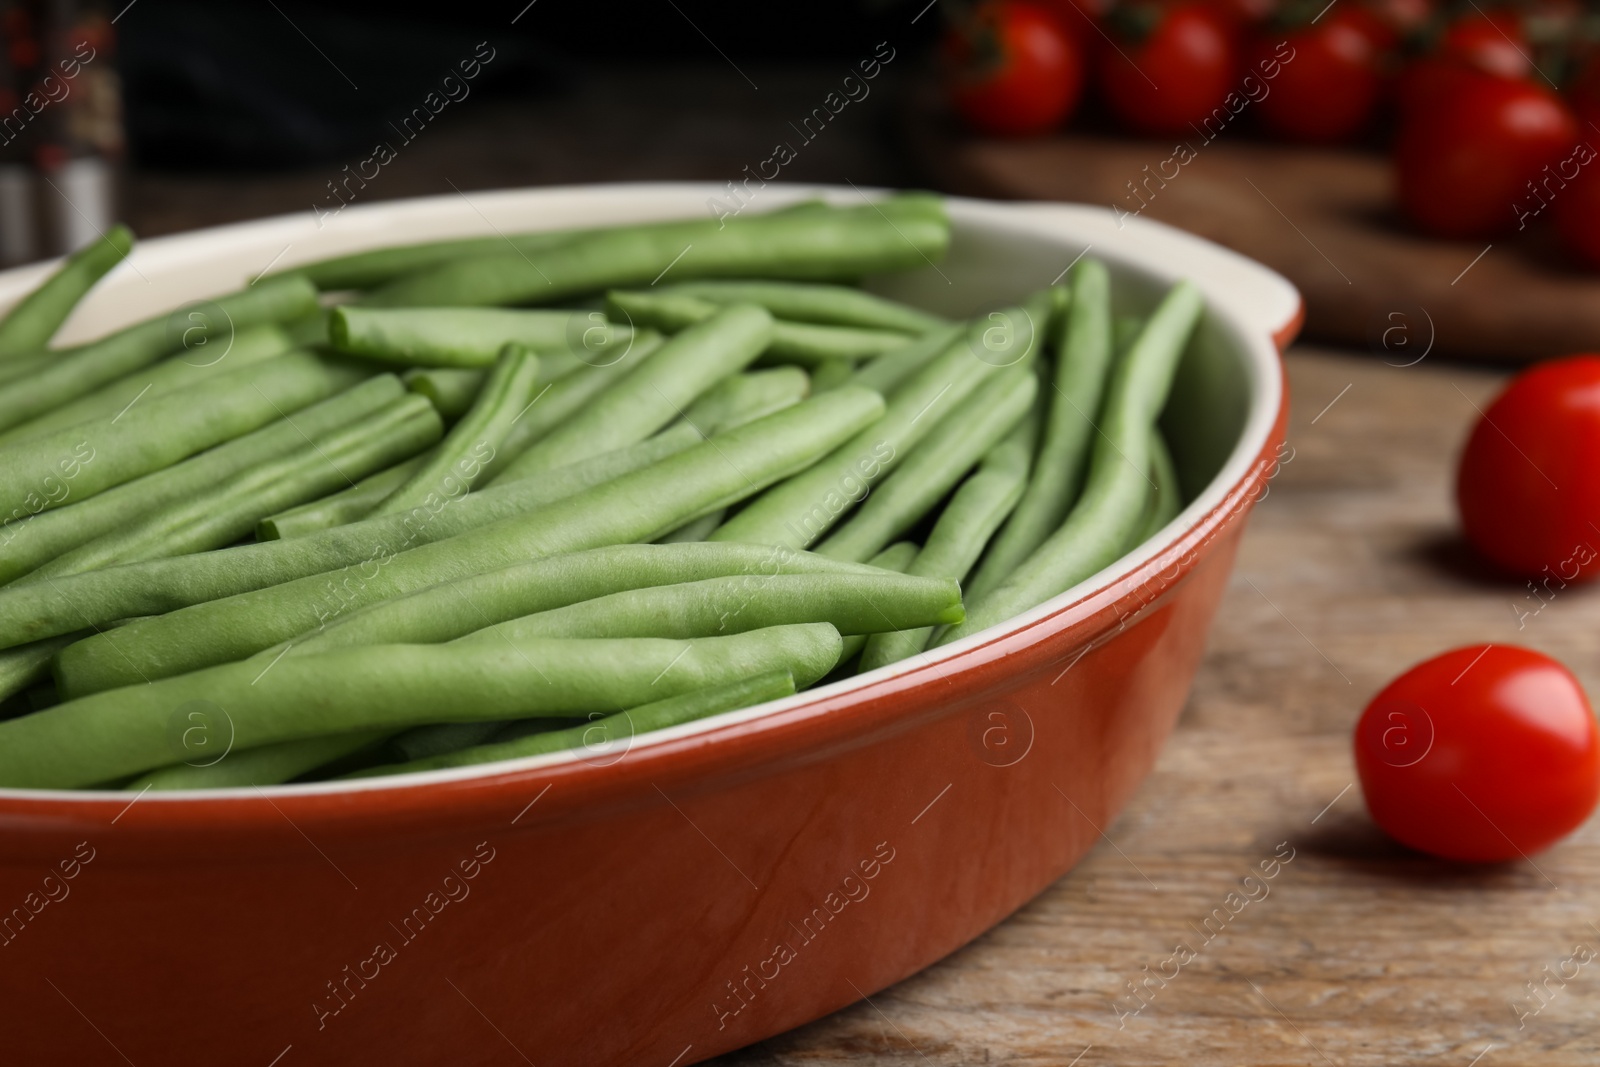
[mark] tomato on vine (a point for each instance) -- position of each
(1012, 69)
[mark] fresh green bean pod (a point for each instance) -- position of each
(792, 342)
(609, 737)
(80, 461)
(451, 390)
(1167, 500)
(33, 541)
(883, 373)
(251, 344)
(462, 458)
(224, 513)
(350, 504)
(933, 468)
(653, 394)
(851, 603)
(30, 611)
(742, 398)
(34, 319)
(1083, 365)
(896, 558)
(958, 537)
(13, 368)
(264, 765)
(832, 373)
(562, 399)
(829, 305)
(473, 337)
(106, 736)
(1125, 330)
(1108, 513)
(801, 510)
(25, 665)
(453, 609)
(898, 233)
(636, 507)
(76, 371)
(695, 529)
(363, 270)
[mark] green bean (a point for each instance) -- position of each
(695, 529)
(265, 765)
(453, 609)
(310, 330)
(963, 529)
(636, 507)
(883, 373)
(896, 558)
(653, 394)
(252, 344)
(15, 367)
(1125, 330)
(562, 399)
(362, 270)
(35, 540)
(1083, 363)
(473, 337)
(227, 512)
(348, 505)
(802, 509)
(832, 373)
(830, 305)
(1167, 500)
(1112, 505)
(31, 611)
(76, 371)
(451, 390)
(34, 319)
(742, 398)
(109, 735)
(933, 469)
(898, 233)
(79, 461)
(794, 342)
(606, 738)
(24, 665)
(463, 456)
(851, 603)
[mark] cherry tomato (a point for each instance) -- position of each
(1015, 70)
(1490, 40)
(1403, 17)
(1173, 66)
(1484, 754)
(1328, 91)
(1428, 83)
(1528, 486)
(1464, 165)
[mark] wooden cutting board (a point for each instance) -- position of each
(1324, 218)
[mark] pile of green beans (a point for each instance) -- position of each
(369, 517)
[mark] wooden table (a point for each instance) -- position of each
(1360, 952)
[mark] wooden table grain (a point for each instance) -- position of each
(1356, 952)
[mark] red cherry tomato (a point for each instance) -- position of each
(1403, 17)
(1528, 486)
(1328, 90)
(1015, 70)
(1173, 66)
(1427, 84)
(1483, 754)
(1492, 41)
(1464, 165)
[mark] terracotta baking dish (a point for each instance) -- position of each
(712, 885)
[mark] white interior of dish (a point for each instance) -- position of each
(1224, 400)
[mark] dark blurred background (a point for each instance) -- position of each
(241, 110)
